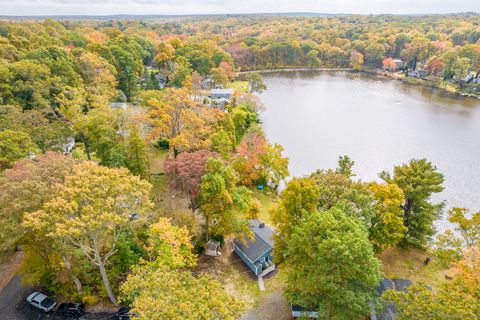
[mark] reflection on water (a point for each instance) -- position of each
(318, 116)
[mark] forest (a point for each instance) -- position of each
(118, 165)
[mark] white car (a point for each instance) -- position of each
(41, 301)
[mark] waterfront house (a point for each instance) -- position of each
(398, 64)
(220, 93)
(256, 252)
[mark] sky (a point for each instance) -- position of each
(108, 7)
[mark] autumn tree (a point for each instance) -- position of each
(26, 187)
(456, 299)
(229, 70)
(298, 200)
(389, 64)
(387, 228)
(160, 293)
(169, 245)
(219, 77)
(92, 209)
(186, 171)
(98, 77)
(356, 60)
(332, 267)
(419, 180)
(14, 145)
(434, 66)
(468, 228)
(173, 117)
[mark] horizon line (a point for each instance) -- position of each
(234, 14)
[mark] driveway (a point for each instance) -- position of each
(13, 305)
(272, 307)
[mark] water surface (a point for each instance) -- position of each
(318, 116)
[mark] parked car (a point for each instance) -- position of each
(41, 301)
(71, 309)
(124, 313)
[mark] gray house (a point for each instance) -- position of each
(256, 253)
(220, 93)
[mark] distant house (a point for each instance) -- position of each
(298, 312)
(256, 253)
(420, 73)
(162, 80)
(220, 93)
(398, 64)
(388, 312)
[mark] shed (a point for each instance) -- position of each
(212, 248)
(256, 253)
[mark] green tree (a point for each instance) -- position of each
(219, 77)
(332, 266)
(14, 145)
(345, 165)
(136, 153)
(222, 201)
(255, 82)
(419, 180)
(298, 200)
(274, 164)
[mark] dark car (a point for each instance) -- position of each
(124, 313)
(71, 309)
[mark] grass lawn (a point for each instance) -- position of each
(241, 86)
(267, 199)
(157, 178)
(408, 264)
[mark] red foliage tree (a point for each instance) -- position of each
(185, 173)
(248, 163)
(389, 64)
(434, 66)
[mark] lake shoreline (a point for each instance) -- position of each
(407, 80)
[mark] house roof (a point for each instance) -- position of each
(262, 242)
(384, 285)
(389, 311)
(402, 284)
(221, 91)
(212, 245)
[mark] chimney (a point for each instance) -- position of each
(261, 225)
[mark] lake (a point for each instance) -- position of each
(319, 116)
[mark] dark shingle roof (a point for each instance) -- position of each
(402, 284)
(262, 242)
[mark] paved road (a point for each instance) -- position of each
(13, 305)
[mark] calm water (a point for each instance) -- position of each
(318, 116)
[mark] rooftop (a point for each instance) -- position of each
(263, 240)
